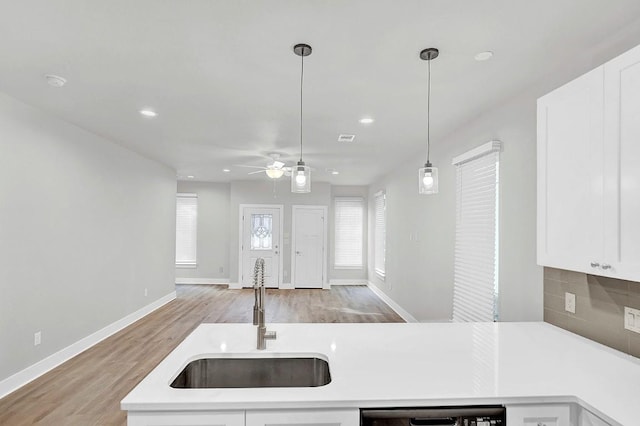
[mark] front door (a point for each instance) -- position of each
(309, 237)
(261, 238)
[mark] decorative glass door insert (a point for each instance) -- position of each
(261, 231)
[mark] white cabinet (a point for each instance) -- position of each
(328, 417)
(333, 417)
(539, 415)
(186, 418)
(589, 172)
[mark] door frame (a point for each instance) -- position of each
(280, 207)
(325, 253)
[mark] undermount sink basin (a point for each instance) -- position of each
(253, 373)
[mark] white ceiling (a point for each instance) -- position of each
(225, 82)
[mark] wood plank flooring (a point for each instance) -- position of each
(87, 389)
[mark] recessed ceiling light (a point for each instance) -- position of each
(226, 170)
(335, 172)
(55, 80)
(148, 113)
(483, 56)
(366, 120)
(190, 177)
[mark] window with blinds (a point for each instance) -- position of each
(475, 295)
(380, 233)
(186, 229)
(349, 215)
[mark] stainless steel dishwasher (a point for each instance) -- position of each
(436, 416)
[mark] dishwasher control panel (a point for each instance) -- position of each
(434, 416)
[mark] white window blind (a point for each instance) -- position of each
(186, 229)
(349, 214)
(380, 233)
(476, 240)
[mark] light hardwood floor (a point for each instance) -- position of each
(87, 389)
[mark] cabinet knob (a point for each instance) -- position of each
(594, 264)
(606, 266)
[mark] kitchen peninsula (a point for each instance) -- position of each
(531, 368)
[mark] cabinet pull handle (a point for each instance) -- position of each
(594, 264)
(605, 266)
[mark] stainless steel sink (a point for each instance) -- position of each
(253, 373)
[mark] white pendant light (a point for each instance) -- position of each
(428, 175)
(301, 173)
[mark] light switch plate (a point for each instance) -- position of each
(632, 319)
(570, 302)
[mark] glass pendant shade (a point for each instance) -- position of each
(274, 173)
(301, 178)
(428, 179)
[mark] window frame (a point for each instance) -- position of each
(188, 263)
(380, 235)
(361, 204)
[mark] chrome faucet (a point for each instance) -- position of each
(258, 307)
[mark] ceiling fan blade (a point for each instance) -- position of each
(257, 171)
(250, 167)
(277, 164)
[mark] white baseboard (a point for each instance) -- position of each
(286, 286)
(36, 370)
(235, 286)
(392, 304)
(209, 281)
(348, 282)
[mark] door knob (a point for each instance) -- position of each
(594, 264)
(605, 266)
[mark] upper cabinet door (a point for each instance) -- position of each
(570, 174)
(622, 166)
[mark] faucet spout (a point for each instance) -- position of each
(258, 307)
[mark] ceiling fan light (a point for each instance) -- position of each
(274, 173)
(301, 178)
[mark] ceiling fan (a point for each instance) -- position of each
(274, 170)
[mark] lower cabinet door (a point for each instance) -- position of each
(539, 415)
(345, 417)
(222, 418)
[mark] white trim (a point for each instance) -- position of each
(235, 286)
(187, 194)
(486, 148)
(287, 286)
(36, 370)
(392, 304)
(325, 252)
(240, 236)
(212, 281)
(186, 265)
(348, 282)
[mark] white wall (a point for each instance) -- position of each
(213, 232)
(85, 227)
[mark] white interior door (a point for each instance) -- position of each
(308, 251)
(261, 238)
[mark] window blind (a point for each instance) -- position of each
(475, 292)
(380, 234)
(349, 213)
(186, 228)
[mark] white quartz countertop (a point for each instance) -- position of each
(382, 365)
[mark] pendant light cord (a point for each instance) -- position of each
(428, 109)
(301, 81)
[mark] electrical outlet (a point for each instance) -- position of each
(570, 302)
(221, 269)
(37, 338)
(146, 292)
(632, 319)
